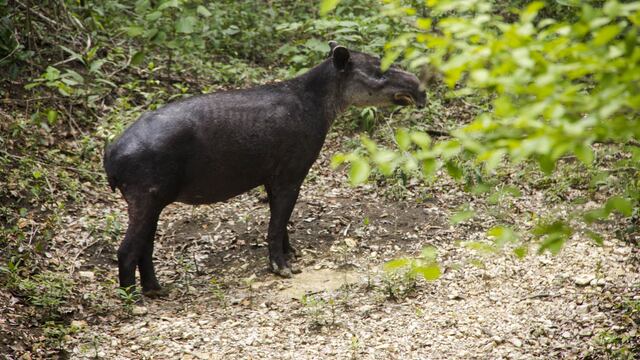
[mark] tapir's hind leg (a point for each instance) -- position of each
(282, 199)
(137, 247)
(150, 285)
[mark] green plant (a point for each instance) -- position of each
(315, 307)
(556, 87)
(56, 333)
(47, 290)
(216, 288)
(129, 297)
(249, 282)
(400, 275)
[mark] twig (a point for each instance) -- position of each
(346, 230)
(437, 133)
(537, 296)
(470, 104)
(631, 142)
(10, 54)
(621, 169)
(41, 16)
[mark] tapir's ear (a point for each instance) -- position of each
(332, 45)
(340, 55)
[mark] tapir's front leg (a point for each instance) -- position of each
(282, 199)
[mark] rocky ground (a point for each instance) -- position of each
(224, 304)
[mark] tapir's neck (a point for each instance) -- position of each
(321, 87)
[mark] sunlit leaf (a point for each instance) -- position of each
(359, 171)
(186, 24)
(428, 272)
(203, 11)
(403, 139)
(619, 204)
(327, 6)
(461, 216)
(396, 264)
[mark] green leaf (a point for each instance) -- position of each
(389, 57)
(553, 244)
(403, 139)
(520, 252)
(597, 238)
(396, 264)
(448, 149)
(595, 215)
(478, 263)
(137, 58)
(337, 160)
(428, 272)
(151, 17)
(134, 31)
(52, 116)
(327, 6)
(429, 253)
(186, 24)
(606, 34)
(531, 11)
(454, 170)
(461, 216)
(429, 167)
(480, 247)
(383, 156)
(421, 139)
(502, 235)
(169, 3)
(424, 23)
(481, 76)
(584, 153)
(203, 11)
(620, 204)
(371, 146)
(359, 171)
(554, 235)
(546, 164)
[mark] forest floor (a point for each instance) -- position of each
(224, 304)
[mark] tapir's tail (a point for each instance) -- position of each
(109, 168)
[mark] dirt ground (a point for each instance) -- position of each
(224, 304)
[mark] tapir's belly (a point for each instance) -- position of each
(221, 178)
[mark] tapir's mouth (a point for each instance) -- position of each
(403, 98)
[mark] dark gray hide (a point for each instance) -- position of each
(212, 147)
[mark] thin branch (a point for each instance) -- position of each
(437, 133)
(631, 142)
(41, 16)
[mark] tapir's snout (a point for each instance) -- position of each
(411, 92)
(420, 98)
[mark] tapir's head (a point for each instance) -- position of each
(366, 84)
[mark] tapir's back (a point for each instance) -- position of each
(211, 147)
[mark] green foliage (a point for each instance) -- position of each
(129, 297)
(217, 289)
(402, 273)
(316, 308)
(559, 79)
(48, 290)
(55, 333)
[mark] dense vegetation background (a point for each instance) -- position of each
(550, 96)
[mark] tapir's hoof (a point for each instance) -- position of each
(283, 271)
(156, 293)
